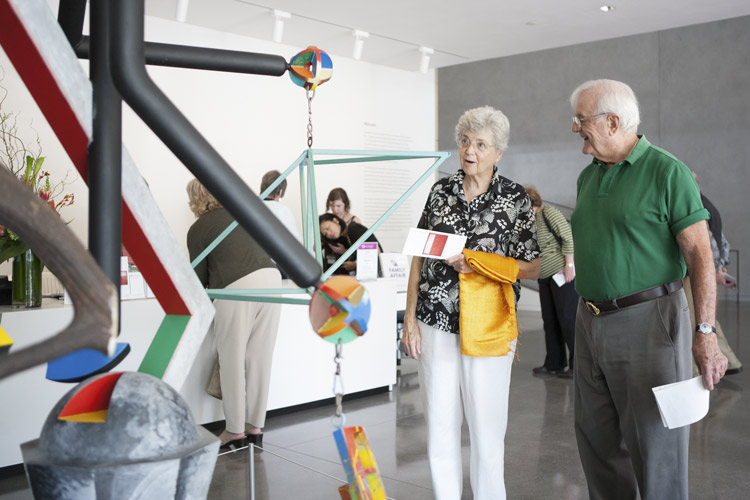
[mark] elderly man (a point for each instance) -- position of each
(638, 222)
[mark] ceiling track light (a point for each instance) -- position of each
(607, 8)
(181, 11)
(278, 24)
(424, 60)
(359, 43)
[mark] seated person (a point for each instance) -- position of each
(336, 237)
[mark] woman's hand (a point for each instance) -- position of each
(411, 337)
(458, 262)
(349, 265)
(569, 271)
(337, 248)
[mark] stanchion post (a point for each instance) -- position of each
(251, 461)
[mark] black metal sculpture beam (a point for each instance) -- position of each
(105, 153)
(170, 125)
(71, 14)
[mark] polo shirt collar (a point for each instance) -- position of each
(640, 148)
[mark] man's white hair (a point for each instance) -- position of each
(613, 98)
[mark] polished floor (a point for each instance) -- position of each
(300, 460)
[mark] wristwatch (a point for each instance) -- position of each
(705, 328)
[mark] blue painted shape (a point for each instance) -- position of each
(346, 461)
(82, 364)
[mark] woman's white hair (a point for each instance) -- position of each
(485, 117)
(613, 98)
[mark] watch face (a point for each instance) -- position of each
(705, 328)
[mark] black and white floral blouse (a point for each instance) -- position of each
(500, 221)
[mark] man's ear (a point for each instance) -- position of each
(613, 124)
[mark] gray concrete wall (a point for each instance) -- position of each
(693, 85)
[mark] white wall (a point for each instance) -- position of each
(259, 123)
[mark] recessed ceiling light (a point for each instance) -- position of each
(531, 23)
(607, 8)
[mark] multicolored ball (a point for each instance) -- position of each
(310, 68)
(340, 310)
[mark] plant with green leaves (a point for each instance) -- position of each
(26, 164)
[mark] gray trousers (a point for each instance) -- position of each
(620, 356)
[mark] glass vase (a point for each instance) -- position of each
(27, 280)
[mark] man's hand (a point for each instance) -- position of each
(709, 358)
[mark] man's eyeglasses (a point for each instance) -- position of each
(578, 120)
(479, 146)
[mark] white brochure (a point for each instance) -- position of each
(433, 244)
(559, 278)
(367, 261)
(682, 403)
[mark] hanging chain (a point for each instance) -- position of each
(310, 96)
(338, 389)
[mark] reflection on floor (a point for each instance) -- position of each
(301, 461)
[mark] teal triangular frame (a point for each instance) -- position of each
(311, 230)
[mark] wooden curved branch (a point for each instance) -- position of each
(95, 323)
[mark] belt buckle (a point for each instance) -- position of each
(592, 308)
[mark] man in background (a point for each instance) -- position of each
(273, 202)
(720, 249)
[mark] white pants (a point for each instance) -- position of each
(245, 337)
(450, 383)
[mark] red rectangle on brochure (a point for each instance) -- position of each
(435, 244)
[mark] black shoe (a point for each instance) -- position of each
(733, 371)
(233, 445)
(256, 439)
(565, 374)
(542, 370)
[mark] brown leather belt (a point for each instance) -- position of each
(600, 306)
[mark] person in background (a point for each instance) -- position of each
(273, 202)
(638, 223)
(338, 204)
(495, 215)
(720, 249)
(245, 332)
(559, 302)
(336, 238)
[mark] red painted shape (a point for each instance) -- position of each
(148, 262)
(94, 396)
(33, 70)
(39, 80)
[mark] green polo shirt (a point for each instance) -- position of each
(626, 220)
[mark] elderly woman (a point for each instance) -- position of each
(245, 332)
(559, 300)
(495, 215)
